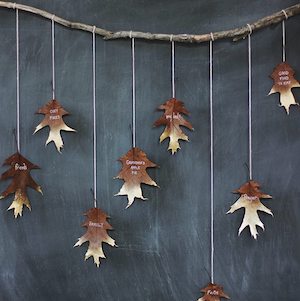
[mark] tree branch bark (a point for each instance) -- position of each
(234, 34)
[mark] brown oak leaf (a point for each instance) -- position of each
(97, 226)
(284, 81)
(54, 113)
(213, 292)
(21, 179)
(173, 119)
(133, 172)
(250, 196)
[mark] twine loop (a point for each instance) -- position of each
(285, 14)
(250, 28)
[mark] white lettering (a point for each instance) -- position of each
(175, 116)
(20, 167)
(213, 292)
(284, 78)
(128, 162)
(55, 117)
(97, 225)
(249, 198)
(283, 73)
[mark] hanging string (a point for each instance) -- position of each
(53, 55)
(133, 91)
(211, 157)
(250, 101)
(18, 79)
(173, 65)
(94, 121)
(283, 36)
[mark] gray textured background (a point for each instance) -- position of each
(163, 243)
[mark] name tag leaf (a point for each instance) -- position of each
(96, 233)
(21, 179)
(284, 81)
(250, 196)
(133, 172)
(173, 119)
(54, 113)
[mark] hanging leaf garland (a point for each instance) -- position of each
(133, 172)
(213, 292)
(19, 171)
(250, 196)
(54, 113)
(97, 226)
(173, 119)
(284, 81)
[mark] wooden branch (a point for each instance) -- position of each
(234, 34)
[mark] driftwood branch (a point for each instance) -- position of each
(234, 34)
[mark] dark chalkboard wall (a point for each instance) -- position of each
(163, 243)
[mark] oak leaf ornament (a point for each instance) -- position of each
(284, 81)
(250, 196)
(213, 292)
(54, 113)
(97, 226)
(19, 171)
(172, 119)
(134, 173)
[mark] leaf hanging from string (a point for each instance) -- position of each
(21, 179)
(97, 226)
(133, 172)
(250, 196)
(284, 81)
(173, 119)
(213, 292)
(54, 113)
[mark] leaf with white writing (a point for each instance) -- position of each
(173, 119)
(21, 179)
(134, 165)
(284, 81)
(54, 113)
(97, 226)
(213, 292)
(250, 196)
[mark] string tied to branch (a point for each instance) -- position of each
(133, 91)
(250, 102)
(211, 158)
(18, 79)
(53, 54)
(94, 119)
(283, 36)
(172, 65)
(250, 28)
(285, 14)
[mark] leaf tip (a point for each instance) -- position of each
(39, 189)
